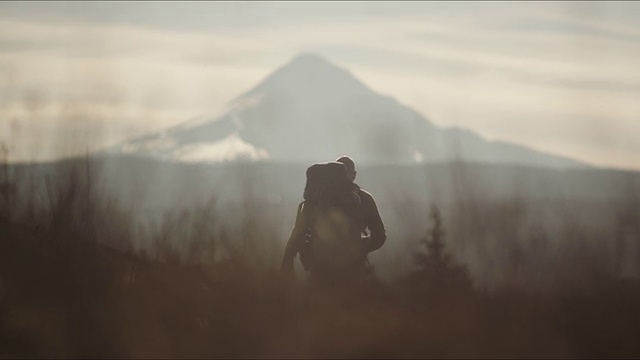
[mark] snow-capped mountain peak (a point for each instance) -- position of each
(310, 110)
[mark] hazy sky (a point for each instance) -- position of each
(556, 76)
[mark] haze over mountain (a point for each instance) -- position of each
(311, 110)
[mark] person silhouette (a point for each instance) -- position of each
(373, 226)
(370, 234)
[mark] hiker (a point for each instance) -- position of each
(336, 226)
(373, 226)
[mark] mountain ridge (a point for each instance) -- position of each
(311, 110)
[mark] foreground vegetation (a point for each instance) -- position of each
(73, 284)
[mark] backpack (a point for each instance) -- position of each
(333, 218)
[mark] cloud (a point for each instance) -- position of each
(542, 116)
(533, 73)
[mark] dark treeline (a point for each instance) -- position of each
(465, 276)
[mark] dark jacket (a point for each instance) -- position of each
(377, 234)
(372, 226)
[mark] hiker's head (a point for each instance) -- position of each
(350, 165)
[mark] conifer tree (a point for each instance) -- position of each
(437, 270)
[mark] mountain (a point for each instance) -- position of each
(311, 110)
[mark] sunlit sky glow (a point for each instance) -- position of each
(562, 77)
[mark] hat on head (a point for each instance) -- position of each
(348, 162)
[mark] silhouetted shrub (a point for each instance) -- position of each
(437, 271)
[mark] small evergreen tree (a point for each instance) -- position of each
(437, 272)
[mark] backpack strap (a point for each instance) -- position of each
(306, 212)
(359, 210)
(304, 218)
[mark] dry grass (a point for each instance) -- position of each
(71, 285)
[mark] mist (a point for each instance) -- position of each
(151, 168)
